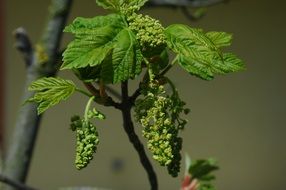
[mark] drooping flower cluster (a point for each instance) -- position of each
(128, 10)
(86, 141)
(159, 114)
(149, 31)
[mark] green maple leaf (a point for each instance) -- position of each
(115, 5)
(108, 47)
(109, 4)
(49, 91)
(199, 53)
(93, 40)
(125, 60)
(202, 171)
(220, 39)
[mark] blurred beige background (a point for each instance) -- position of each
(238, 119)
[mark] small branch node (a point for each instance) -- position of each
(106, 100)
(23, 44)
(135, 95)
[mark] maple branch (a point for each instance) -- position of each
(135, 95)
(133, 138)
(15, 184)
(21, 149)
(106, 100)
(113, 92)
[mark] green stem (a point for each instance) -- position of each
(150, 72)
(87, 107)
(106, 101)
(169, 66)
(83, 92)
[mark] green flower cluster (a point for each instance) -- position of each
(159, 114)
(129, 10)
(86, 141)
(149, 31)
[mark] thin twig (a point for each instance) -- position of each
(137, 92)
(15, 184)
(135, 95)
(133, 138)
(106, 100)
(113, 92)
(91, 89)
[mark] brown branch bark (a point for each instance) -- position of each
(113, 92)
(106, 100)
(21, 148)
(126, 106)
(135, 95)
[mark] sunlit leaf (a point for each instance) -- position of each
(49, 91)
(109, 4)
(199, 53)
(93, 41)
(220, 39)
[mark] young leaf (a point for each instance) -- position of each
(126, 57)
(196, 51)
(88, 74)
(110, 50)
(139, 3)
(80, 24)
(220, 39)
(109, 4)
(196, 66)
(50, 91)
(116, 5)
(199, 54)
(85, 52)
(201, 169)
(188, 163)
(230, 63)
(93, 41)
(206, 186)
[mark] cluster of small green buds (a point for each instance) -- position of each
(129, 10)
(86, 141)
(175, 165)
(177, 108)
(95, 114)
(149, 32)
(161, 123)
